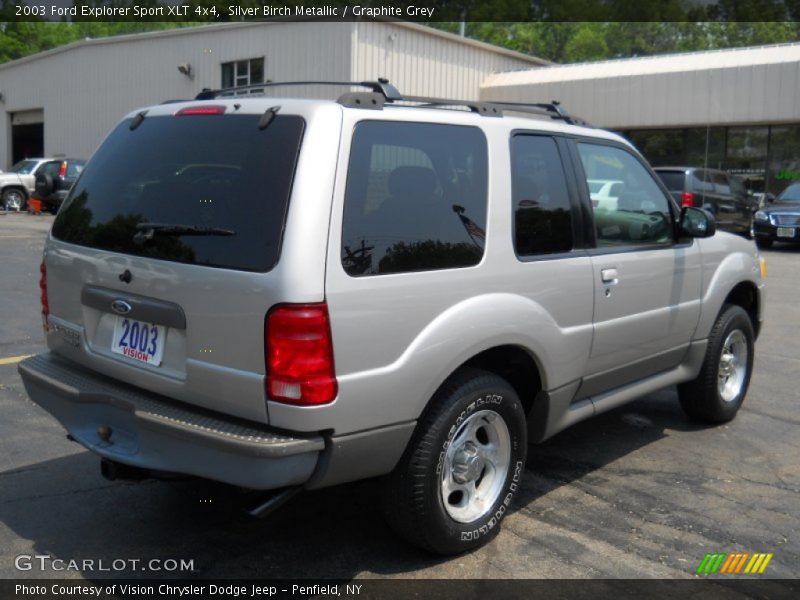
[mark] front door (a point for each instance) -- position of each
(647, 286)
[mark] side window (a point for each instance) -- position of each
(702, 181)
(415, 198)
(721, 184)
(542, 212)
(639, 213)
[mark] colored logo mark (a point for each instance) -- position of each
(734, 563)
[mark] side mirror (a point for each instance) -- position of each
(697, 222)
(769, 198)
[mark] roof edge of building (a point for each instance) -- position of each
(516, 78)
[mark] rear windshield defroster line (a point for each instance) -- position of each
(203, 173)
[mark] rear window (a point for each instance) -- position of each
(415, 199)
(74, 169)
(217, 174)
(674, 180)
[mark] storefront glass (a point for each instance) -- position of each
(766, 158)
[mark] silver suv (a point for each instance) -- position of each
(289, 294)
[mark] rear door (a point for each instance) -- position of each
(177, 311)
(646, 285)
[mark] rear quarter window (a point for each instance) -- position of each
(540, 198)
(200, 171)
(415, 198)
(674, 180)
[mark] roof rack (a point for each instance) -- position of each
(381, 86)
(382, 92)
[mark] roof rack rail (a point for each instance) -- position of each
(382, 92)
(381, 86)
(553, 109)
(482, 108)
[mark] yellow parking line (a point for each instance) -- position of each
(10, 360)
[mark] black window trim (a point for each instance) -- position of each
(595, 250)
(580, 240)
(487, 194)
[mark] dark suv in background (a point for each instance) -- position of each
(723, 195)
(54, 179)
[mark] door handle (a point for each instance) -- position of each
(609, 276)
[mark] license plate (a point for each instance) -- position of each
(143, 342)
(786, 232)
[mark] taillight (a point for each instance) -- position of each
(299, 355)
(210, 109)
(43, 294)
(687, 199)
(62, 170)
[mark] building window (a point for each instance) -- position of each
(784, 162)
(243, 72)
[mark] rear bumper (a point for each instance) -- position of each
(156, 433)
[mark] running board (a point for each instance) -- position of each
(606, 401)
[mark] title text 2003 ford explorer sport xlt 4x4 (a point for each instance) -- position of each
(281, 293)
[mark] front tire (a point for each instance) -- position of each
(719, 390)
(13, 199)
(763, 242)
(461, 469)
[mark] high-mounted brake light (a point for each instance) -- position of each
(299, 355)
(62, 170)
(43, 294)
(687, 199)
(213, 109)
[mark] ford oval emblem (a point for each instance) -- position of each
(121, 307)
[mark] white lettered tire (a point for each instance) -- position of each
(462, 468)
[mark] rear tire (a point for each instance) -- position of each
(462, 467)
(717, 393)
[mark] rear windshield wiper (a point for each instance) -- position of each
(146, 231)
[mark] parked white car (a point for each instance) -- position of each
(604, 193)
(18, 184)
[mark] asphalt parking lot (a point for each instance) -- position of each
(637, 492)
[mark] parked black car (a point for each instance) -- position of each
(54, 179)
(722, 194)
(779, 221)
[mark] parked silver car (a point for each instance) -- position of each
(286, 294)
(17, 184)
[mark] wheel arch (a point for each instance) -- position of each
(745, 294)
(15, 186)
(517, 365)
(734, 280)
